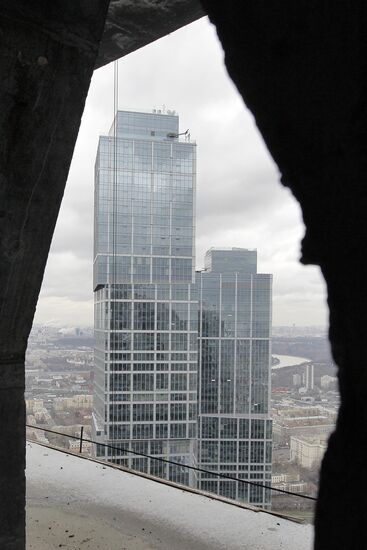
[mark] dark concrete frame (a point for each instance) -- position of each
(48, 50)
(301, 67)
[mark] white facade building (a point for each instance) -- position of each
(307, 451)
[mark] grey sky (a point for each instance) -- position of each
(240, 201)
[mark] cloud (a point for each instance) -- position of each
(63, 311)
(67, 275)
(240, 201)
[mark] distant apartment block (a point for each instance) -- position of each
(308, 451)
(302, 421)
(308, 377)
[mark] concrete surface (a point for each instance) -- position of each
(79, 503)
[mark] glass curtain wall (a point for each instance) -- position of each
(146, 309)
(235, 431)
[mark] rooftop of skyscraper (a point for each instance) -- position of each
(230, 248)
(156, 124)
(231, 259)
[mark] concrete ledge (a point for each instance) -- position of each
(151, 513)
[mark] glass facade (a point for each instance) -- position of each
(182, 360)
(146, 310)
(235, 431)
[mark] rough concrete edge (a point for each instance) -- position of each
(104, 59)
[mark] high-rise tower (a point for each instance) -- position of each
(235, 432)
(145, 387)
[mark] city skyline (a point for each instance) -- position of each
(250, 209)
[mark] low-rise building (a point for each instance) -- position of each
(82, 401)
(307, 451)
(328, 382)
(33, 405)
(302, 421)
(74, 446)
(299, 487)
(42, 416)
(284, 478)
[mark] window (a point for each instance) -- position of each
(178, 341)
(162, 341)
(228, 451)
(257, 451)
(181, 270)
(209, 428)
(142, 431)
(160, 272)
(209, 451)
(143, 381)
(119, 432)
(178, 382)
(178, 431)
(257, 429)
(144, 316)
(120, 382)
(161, 381)
(161, 412)
(243, 451)
(228, 428)
(141, 265)
(144, 341)
(120, 316)
(143, 412)
(244, 428)
(161, 431)
(178, 411)
(120, 340)
(120, 413)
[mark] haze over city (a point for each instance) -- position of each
(240, 201)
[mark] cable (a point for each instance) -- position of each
(202, 470)
(113, 282)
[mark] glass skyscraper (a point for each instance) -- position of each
(145, 385)
(235, 431)
(182, 360)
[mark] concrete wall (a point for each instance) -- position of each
(301, 69)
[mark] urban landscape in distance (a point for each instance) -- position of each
(184, 365)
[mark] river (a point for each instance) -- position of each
(289, 361)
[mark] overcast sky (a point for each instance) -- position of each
(240, 201)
